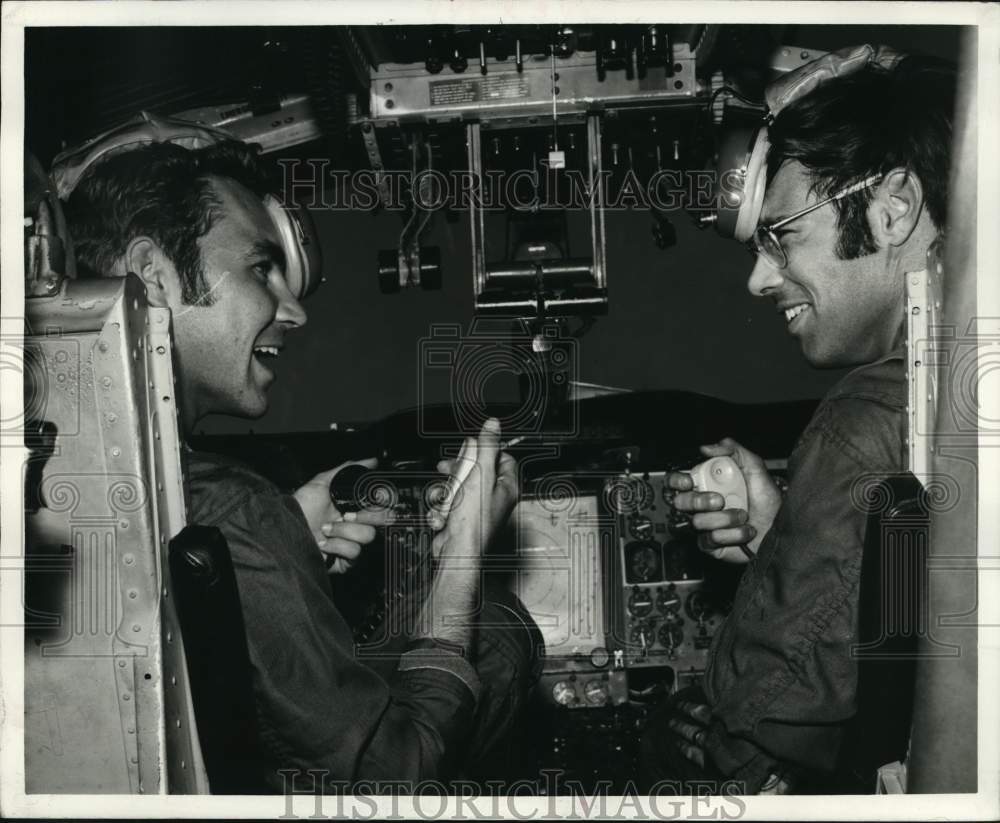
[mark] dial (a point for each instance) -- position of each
(640, 603)
(596, 692)
(671, 634)
(679, 524)
(563, 693)
(667, 600)
(645, 562)
(643, 634)
(641, 527)
(648, 495)
(698, 605)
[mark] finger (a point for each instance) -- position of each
(488, 450)
(339, 547)
(375, 517)
(688, 731)
(693, 753)
(506, 489)
(726, 447)
(744, 458)
(466, 459)
(699, 711)
(329, 524)
(721, 538)
(699, 501)
(458, 470)
(463, 465)
(726, 519)
(356, 532)
(680, 481)
(446, 466)
(507, 472)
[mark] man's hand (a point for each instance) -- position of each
(723, 531)
(337, 535)
(688, 726)
(482, 491)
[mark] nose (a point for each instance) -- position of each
(290, 311)
(764, 278)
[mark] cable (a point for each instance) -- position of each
(555, 133)
(742, 98)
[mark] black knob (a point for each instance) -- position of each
(345, 488)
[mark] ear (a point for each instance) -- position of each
(896, 208)
(145, 258)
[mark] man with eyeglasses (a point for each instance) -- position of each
(856, 192)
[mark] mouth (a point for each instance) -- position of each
(793, 313)
(264, 355)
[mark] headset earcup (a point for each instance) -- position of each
(303, 259)
(755, 181)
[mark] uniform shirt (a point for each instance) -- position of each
(317, 706)
(781, 679)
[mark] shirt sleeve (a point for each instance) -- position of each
(781, 678)
(318, 707)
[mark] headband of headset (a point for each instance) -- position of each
(743, 155)
(303, 259)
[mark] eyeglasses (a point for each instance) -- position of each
(765, 242)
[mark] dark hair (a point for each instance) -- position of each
(867, 123)
(162, 191)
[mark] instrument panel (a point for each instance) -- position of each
(667, 608)
(613, 577)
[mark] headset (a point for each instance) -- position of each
(742, 158)
(299, 240)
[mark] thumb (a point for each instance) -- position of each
(489, 448)
(726, 447)
(747, 460)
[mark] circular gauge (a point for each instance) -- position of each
(641, 527)
(698, 606)
(646, 494)
(644, 561)
(640, 603)
(599, 657)
(563, 693)
(596, 692)
(640, 631)
(668, 601)
(629, 494)
(667, 493)
(678, 524)
(671, 634)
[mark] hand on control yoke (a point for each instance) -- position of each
(339, 536)
(724, 532)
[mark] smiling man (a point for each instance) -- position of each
(193, 226)
(857, 187)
